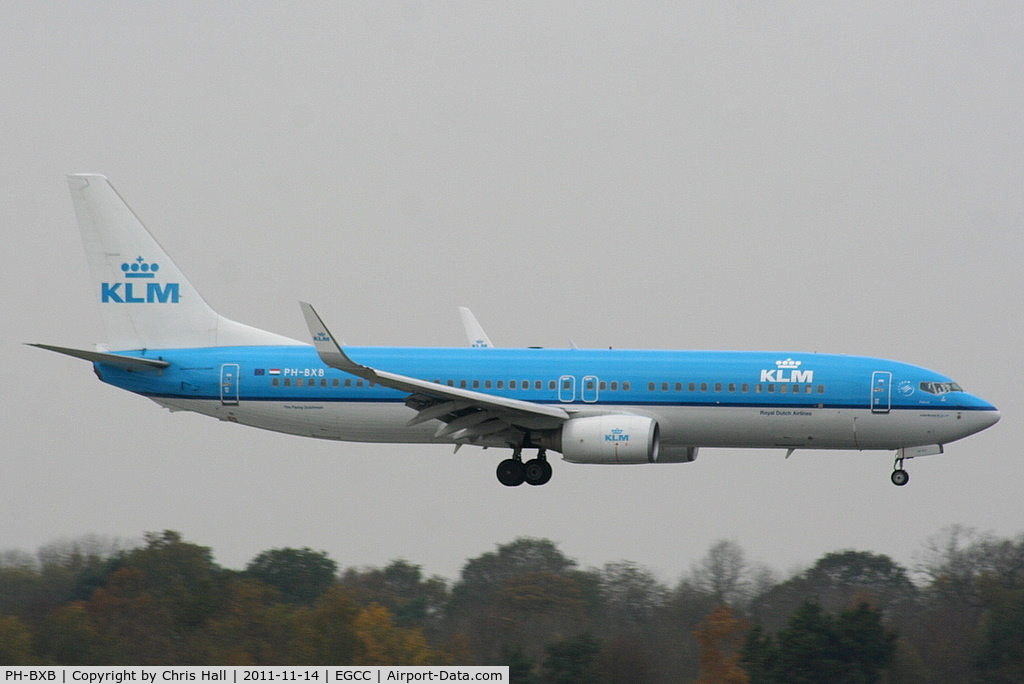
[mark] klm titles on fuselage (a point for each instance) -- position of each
(787, 370)
(132, 292)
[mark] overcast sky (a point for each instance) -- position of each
(786, 176)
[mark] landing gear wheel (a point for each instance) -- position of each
(900, 477)
(537, 471)
(511, 472)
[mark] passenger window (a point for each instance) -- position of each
(625, 386)
(537, 384)
(703, 387)
(615, 385)
(745, 387)
(821, 389)
(501, 384)
(718, 387)
(552, 385)
(335, 382)
(732, 386)
(287, 382)
(274, 382)
(664, 387)
(771, 387)
(783, 388)
(511, 384)
(650, 386)
(348, 382)
(693, 387)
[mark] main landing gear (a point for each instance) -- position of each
(512, 472)
(899, 476)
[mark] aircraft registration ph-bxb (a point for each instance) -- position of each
(599, 406)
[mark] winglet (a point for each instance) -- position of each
(327, 348)
(474, 331)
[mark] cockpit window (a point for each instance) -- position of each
(940, 387)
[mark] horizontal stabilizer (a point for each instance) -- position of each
(126, 362)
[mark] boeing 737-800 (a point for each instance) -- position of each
(599, 406)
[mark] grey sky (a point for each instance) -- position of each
(791, 176)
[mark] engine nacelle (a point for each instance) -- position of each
(610, 439)
(677, 454)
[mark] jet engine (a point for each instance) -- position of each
(609, 439)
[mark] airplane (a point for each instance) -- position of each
(593, 406)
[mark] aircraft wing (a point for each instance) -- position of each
(469, 415)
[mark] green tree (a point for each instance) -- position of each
(818, 647)
(301, 575)
(180, 576)
(571, 661)
(1000, 656)
(836, 581)
(325, 632)
(414, 601)
(526, 593)
(520, 666)
(253, 628)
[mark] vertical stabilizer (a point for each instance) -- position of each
(145, 300)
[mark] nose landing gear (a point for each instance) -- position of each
(512, 472)
(900, 476)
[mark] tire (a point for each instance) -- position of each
(511, 472)
(537, 472)
(900, 477)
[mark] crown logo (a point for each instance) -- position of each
(139, 269)
(616, 431)
(321, 337)
(788, 363)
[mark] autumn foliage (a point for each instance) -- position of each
(852, 616)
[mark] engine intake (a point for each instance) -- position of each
(610, 439)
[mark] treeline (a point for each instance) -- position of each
(854, 616)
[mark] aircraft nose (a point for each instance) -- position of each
(986, 417)
(990, 418)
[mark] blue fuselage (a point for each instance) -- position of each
(700, 398)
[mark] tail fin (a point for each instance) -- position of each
(145, 300)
